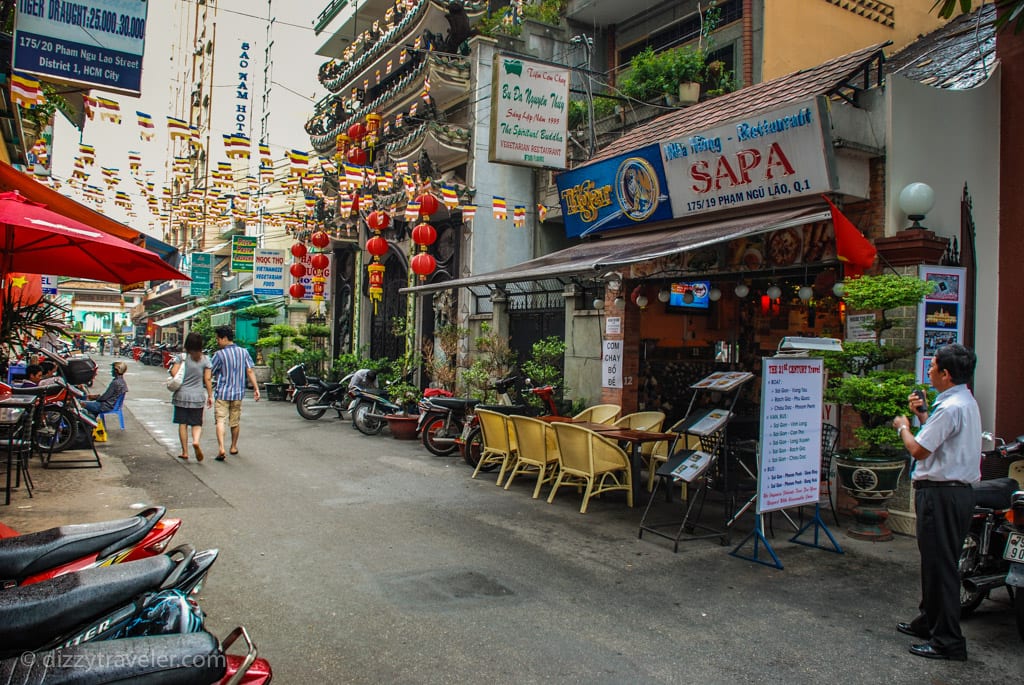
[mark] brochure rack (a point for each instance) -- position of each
(699, 469)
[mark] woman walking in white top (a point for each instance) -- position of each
(195, 394)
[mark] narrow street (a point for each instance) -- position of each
(356, 559)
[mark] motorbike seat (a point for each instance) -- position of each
(32, 553)
(994, 494)
(32, 616)
(164, 659)
(506, 409)
(454, 403)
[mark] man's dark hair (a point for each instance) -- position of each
(958, 360)
(194, 342)
(225, 332)
(47, 366)
(33, 369)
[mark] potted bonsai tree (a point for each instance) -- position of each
(263, 314)
(279, 360)
(870, 471)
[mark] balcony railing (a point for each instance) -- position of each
(330, 12)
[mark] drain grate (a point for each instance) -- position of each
(444, 587)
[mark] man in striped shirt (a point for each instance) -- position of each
(231, 365)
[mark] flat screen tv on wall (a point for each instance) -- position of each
(689, 296)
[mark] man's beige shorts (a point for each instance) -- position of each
(228, 409)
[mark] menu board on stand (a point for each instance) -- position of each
(789, 457)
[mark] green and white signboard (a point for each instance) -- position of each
(202, 274)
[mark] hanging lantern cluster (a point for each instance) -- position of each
(298, 271)
(423, 235)
(377, 246)
(356, 145)
(320, 263)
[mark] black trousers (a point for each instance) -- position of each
(943, 518)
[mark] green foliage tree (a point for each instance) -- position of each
(855, 376)
(495, 360)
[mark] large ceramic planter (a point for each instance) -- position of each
(402, 427)
(872, 482)
(276, 392)
(689, 93)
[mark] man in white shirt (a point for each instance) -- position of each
(947, 454)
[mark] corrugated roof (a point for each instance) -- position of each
(957, 56)
(801, 85)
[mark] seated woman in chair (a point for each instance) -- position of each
(97, 404)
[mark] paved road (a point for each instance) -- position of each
(356, 559)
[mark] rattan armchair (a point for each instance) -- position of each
(592, 461)
(599, 413)
(536, 451)
(498, 446)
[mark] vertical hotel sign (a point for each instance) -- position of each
(242, 90)
(243, 250)
(96, 43)
(529, 113)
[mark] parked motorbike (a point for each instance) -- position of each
(158, 355)
(144, 597)
(1013, 553)
(369, 407)
(35, 557)
(470, 442)
(192, 658)
(982, 567)
(314, 396)
(442, 421)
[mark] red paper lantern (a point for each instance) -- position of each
(378, 220)
(377, 246)
(297, 291)
(356, 131)
(423, 264)
(424, 234)
(320, 239)
(428, 204)
(298, 270)
(320, 261)
(298, 250)
(356, 155)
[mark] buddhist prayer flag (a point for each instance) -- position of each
(26, 91)
(542, 213)
(449, 197)
(177, 128)
(299, 162)
(500, 209)
(468, 212)
(852, 247)
(519, 216)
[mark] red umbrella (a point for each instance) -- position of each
(35, 240)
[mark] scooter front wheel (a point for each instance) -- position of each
(364, 422)
(435, 427)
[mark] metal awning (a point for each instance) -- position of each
(599, 256)
(167, 310)
(189, 313)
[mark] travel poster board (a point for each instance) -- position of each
(791, 405)
(940, 316)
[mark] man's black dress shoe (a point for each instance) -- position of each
(930, 651)
(908, 629)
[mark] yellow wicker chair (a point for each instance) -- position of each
(590, 460)
(641, 421)
(536, 451)
(498, 443)
(600, 413)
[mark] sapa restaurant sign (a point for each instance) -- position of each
(96, 43)
(529, 113)
(776, 155)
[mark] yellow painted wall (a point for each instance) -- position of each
(799, 34)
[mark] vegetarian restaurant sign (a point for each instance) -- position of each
(529, 113)
(776, 155)
(96, 43)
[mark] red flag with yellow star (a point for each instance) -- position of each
(25, 289)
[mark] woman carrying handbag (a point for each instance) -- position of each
(194, 394)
